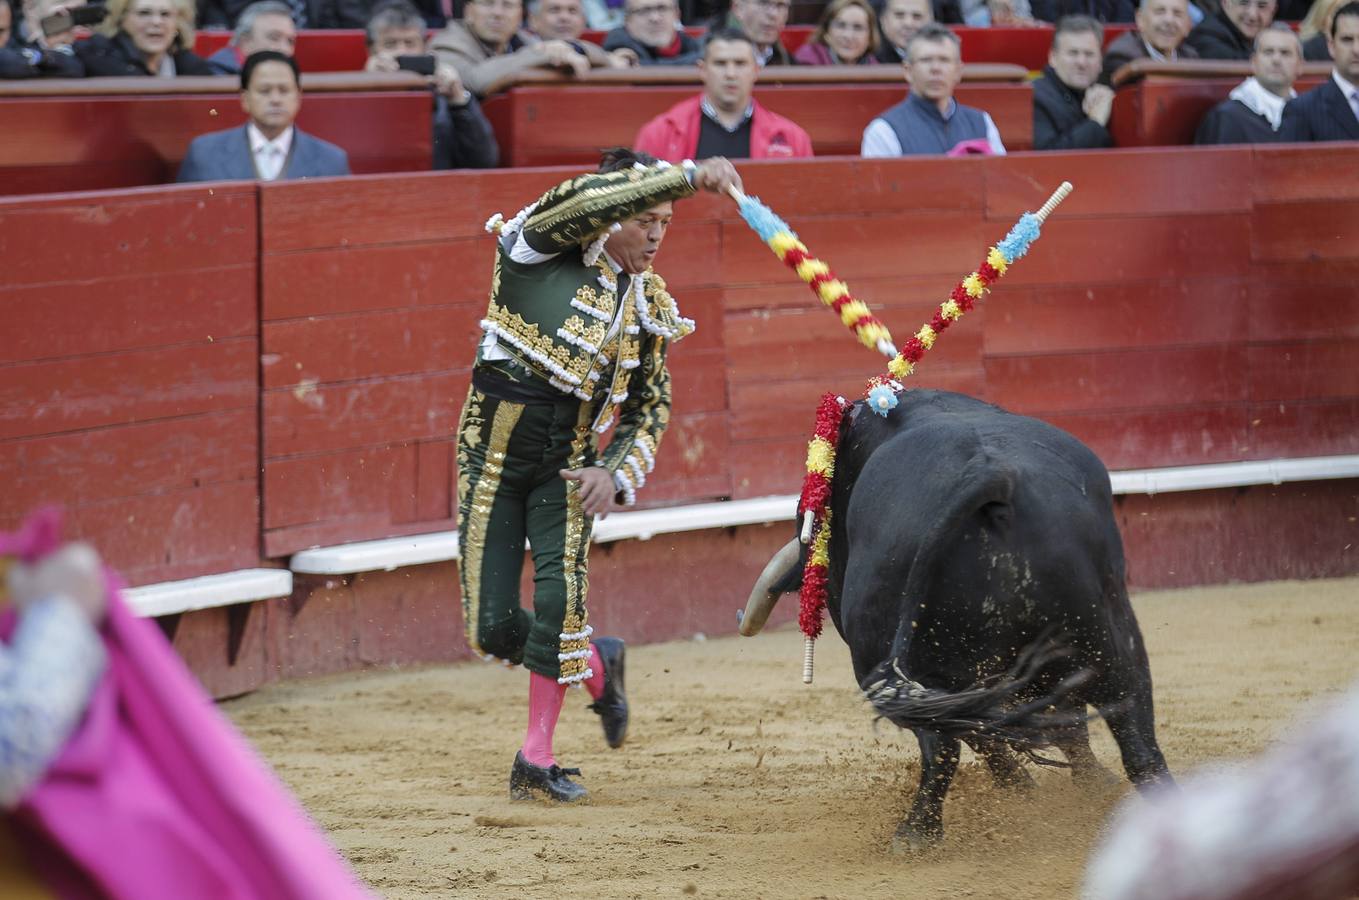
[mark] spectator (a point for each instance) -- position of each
(724, 120)
(1253, 111)
(462, 137)
(37, 57)
(268, 147)
(604, 15)
(1100, 10)
(488, 49)
(143, 37)
(1314, 28)
(1071, 111)
(986, 13)
(1230, 32)
(266, 25)
(1330, 112)
(564, 20)
(900, 20)
(929, 120)
(763, 21)
(1162, 26)
(651, 31)
(846, 35)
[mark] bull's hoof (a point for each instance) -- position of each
(911, 839)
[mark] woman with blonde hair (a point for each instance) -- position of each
(846, 35)
(1314, 28)
(144, 37)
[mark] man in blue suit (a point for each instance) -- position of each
(269, 147)
(1330, 112)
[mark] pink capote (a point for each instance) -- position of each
(156, 795)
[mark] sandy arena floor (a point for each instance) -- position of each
(739, 781)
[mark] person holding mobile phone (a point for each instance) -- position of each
(396, 41)
(37, 57)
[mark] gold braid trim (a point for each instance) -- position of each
(479, 513)
(574, 652)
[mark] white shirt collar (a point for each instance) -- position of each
(711, 112)
(283, 143)
(1252, 95)
(1155, 54)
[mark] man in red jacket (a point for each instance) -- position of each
(724, 120)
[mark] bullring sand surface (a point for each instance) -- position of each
(740, 781)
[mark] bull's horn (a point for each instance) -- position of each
(762, 599)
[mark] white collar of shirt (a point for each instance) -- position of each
(1267, 104)
(1153, 53)
(711, 112)
(270, 156)
(764, 56)
(1346, 88)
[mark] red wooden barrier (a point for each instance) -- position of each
(1162, 111)
(74, 141)
(128, 374)
(343, 50)
(539, 126)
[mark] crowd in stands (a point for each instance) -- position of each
(481, 47)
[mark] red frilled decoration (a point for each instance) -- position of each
(816, 489)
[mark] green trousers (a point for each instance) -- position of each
(509, 489)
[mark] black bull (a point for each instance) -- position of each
(977, 576)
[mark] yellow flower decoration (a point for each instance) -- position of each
(974, 286)
(829, 290)
(950, 309)
(996, 260)
(900, 367)
(853, 311)
(810, 268)
(820, 456)
(820, 555)
(926, 336)
(782, 242)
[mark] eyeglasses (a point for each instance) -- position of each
(658, 9)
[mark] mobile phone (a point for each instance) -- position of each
(421, 65)
(64, 21)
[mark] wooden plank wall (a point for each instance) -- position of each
(128, 374)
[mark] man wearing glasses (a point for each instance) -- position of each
(1230, 33)
(763, 22)
(651, 31)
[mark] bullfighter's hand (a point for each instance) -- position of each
(73, 572)
(596, 489)
(718, 175)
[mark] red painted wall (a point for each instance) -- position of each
(128, 374)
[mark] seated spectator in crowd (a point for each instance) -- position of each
(1162, 26)
(651, 31)
(1071, 111)
(604, 15)
(488, 49)
(846, 35)
(986, 13)
(143, 37)
(314, 14)
(899, 20)
(564, 20)
(462, 137)
(1253, 112)
(929, 120)
(1230, 32)
(266, 25)
(1330, 112)
(1315, 27)
(268, 147)
(724, 120)
(35, 58)
(763, 21)
(1100, 10)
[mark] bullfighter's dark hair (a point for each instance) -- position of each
(617, 159)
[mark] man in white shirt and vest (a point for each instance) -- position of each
(269, 147)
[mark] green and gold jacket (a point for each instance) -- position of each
(562, 310)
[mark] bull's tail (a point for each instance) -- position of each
(987, 709)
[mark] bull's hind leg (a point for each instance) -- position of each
(1074, 742)
(923, 827)
(1003, 763)
(1133, 728)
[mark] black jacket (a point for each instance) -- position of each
(1232, 122)
(462, 136)
(1217, 38)
(1059, 123)
(1314, 49)
(20, 60)
(1103, 10)
(111, 56)
(1321, 114)
(689, 50)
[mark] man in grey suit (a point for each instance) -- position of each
(268, 147)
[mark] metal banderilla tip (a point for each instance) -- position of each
(1057, 197)
(808, 659)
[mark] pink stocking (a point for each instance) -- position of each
(545, 704)
(595, 683)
